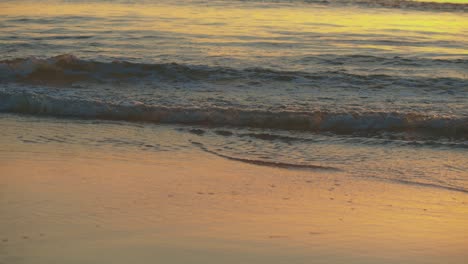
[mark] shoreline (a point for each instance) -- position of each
(187, 206)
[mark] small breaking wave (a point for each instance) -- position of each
(315, 121)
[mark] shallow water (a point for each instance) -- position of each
(428, 164)
(378, 89)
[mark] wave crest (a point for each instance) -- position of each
(67, 69)
(316, 121)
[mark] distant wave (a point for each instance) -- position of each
(316, 121)
(359, 59)
(401, 4)
(405, 4)
(275, 164)
(67, 69)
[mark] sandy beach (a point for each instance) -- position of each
(69, 203)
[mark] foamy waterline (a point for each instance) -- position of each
(337, 122)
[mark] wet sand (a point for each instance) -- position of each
(77, 204)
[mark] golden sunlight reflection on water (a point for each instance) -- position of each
(226, 24)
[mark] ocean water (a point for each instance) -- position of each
(374, 89)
